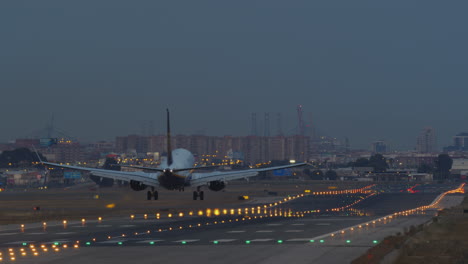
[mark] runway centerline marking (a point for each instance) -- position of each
(322, 224)
(57, 241)
(331, 219)
(236, 231)
(103, 226)
(65, 233)
(36, 234)
(226, 240)
(149, 240)
(112, 241)
(293, 231)
(127, 225)
(186, 240)
(299, 240)
(261, 240)
(8, 234)
(274, 224)
(264, 231)
(298, 224)
(18, 242)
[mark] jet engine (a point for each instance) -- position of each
(216, 185)
(137, 186)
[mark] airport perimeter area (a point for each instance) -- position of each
(294, 222)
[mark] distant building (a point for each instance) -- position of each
(26, 143)
(255, 149)
(102, 146)
(412, 160)
(460, 143)
(379, 147)
(24, 177)
(426, 141)
(324, 144)
(65, 151)
(459, 165)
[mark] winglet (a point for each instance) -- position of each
(169, 149)
(37, 154)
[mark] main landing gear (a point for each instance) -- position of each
(198, 194)
(152, 194)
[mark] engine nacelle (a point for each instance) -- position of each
(216, 185)
(137, 186)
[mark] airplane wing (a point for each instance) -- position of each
(145, 178)
(141, 167)
(161, 170)
(199, 179)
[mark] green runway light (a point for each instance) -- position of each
(184, 242)
(151, 243)
(215, 242)
(56, 243)
(280, 241)
(348, 241)
(88, 243)
(25, 244)
(120, 242)
(247, 241)
(321, 241)
(375, 241)
(312, 241)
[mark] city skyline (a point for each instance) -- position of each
(366, 71)
(143, 127)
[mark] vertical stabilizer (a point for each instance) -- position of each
(169, 149)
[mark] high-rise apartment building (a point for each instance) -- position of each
(379, 147)
(460, 141)
(255, 149)
(426, 141)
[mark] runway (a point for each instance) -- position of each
(304, 228)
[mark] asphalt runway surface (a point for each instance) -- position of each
(299, 228)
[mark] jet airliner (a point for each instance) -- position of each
(176, 172)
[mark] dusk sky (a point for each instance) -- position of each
(365, 70)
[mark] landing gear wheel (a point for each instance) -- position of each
(155, 195)
(149, 195)
(195, 195)
(202, 195)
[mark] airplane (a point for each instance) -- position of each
(174, 173)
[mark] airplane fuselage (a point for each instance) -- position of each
(169, 178)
